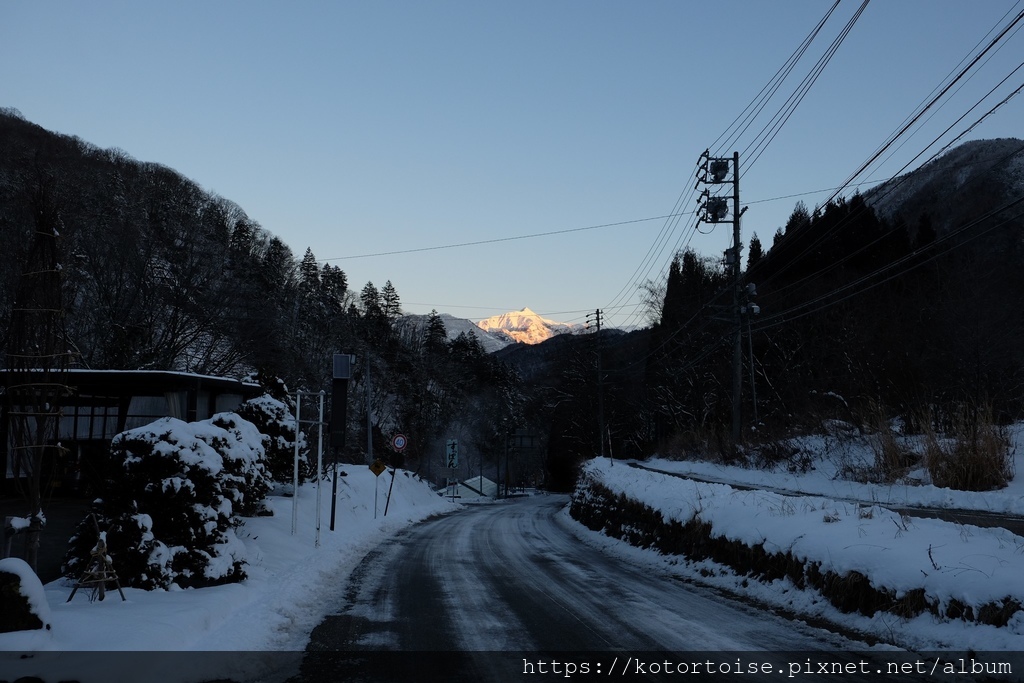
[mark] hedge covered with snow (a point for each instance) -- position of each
(170, 514)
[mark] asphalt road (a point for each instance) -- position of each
(493, 591)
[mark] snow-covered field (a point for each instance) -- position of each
(292, 584)
(832, 454)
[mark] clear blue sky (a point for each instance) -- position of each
(366, 127)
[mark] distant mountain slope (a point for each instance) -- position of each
(525, 327)
(455, 326)
(956, 188)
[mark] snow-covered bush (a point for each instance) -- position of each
(170, 518)
(245, 478)
(23, 605)
(275, 419)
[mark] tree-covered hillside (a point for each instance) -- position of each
(915, 312)
(905, 302)
(158, 273)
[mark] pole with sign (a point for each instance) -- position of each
(451, 459)
(451, 456)
(339, 417)
(398, 443)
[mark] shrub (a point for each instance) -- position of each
(170, 517)
(973, 455)
(708, 442)
(892, 459)
(245, 479)
(274, 419)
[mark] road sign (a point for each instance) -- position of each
(377, 468)
(451, 453)
(399, 442)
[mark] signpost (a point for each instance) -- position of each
(320, 424)
(452, 454)
(399, 442)
(451, 457)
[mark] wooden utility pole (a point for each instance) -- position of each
(717, 171)
(600, 384)
(737, 274)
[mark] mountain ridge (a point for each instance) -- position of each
(989, 171)
(454, 326)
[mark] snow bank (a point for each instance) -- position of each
(951, 574)
(293, 582)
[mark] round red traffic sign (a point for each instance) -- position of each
(399, 442)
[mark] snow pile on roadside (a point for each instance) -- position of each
(953, 564)
(292, 584)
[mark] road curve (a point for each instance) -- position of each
(513, 578)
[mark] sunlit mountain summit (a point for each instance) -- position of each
(525, 326)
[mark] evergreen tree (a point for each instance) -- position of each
(278, 267)
(391, 305)
(371, 301)
(435, 336)
(334, 286)
(242, 243)
(466, 349)
(799, 219)
(309, 274)
(779, 234)
(756, 252)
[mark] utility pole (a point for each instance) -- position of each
(737, 274)
(341, 374)
(369, 416)
(596, 317)
(752, 309)
(717, 171)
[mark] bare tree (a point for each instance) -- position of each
(37, 357)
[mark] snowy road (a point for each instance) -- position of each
(515, 578)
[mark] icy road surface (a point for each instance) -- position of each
(514, 577)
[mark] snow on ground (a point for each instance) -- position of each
(292, 584)
(830, 455)
(820, 521)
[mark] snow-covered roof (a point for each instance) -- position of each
(481, 486)
(163, 377)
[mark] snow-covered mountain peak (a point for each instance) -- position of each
(524, 326)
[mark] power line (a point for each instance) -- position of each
(760, 144)
(742, 122)
(790, 314)
(916, 117)
(786, 316)
(783, 115)
(496, 239)
(760, 101)
(899, 181)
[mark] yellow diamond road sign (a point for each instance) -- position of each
(377, 467)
